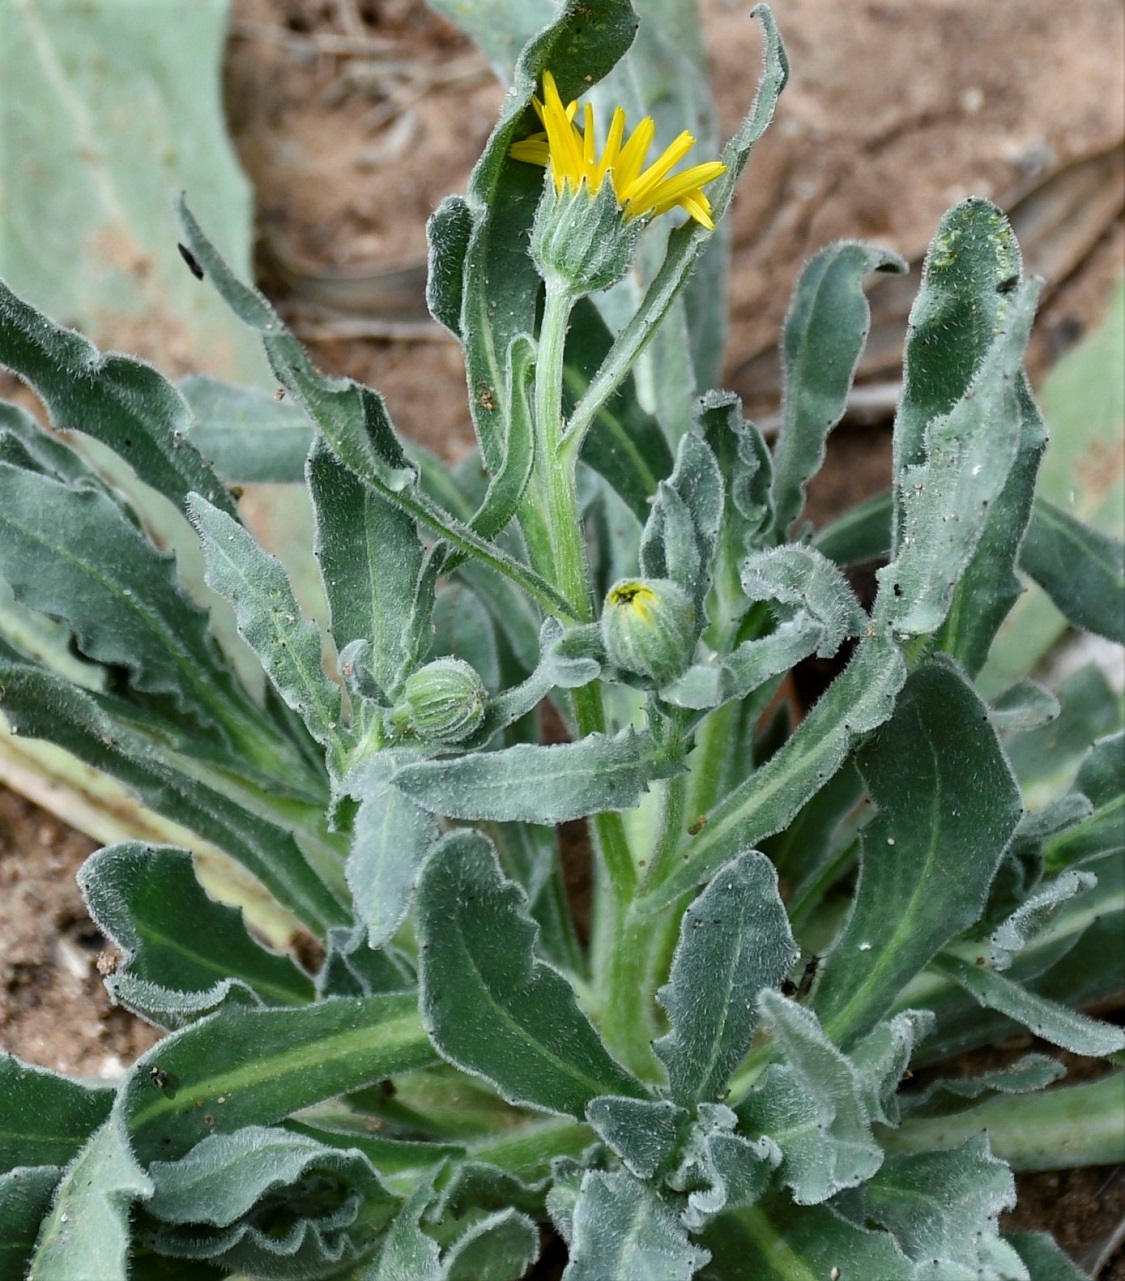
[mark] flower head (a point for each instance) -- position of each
(571, 155)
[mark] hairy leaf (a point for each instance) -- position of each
(943, 499)
(221, 1178)
(246, 433)
(122, 402)
(140, 895)
(719, 1170)
(734, 941)
(682, 530)
(643, 1132)
(943, 1207)
(947, 807)
(447, 237)
(622, 1231)
(858, 701)
(779, 1238)
(254, 1067)
(490, 1006)
(500, 1247)
(407, 1253)
(47, 1118)
(1043, 1258)
(1047, 1019)
(95, 729)
(354, 421)
(813, 1106)
(535, 784)
(370, 557)
(824, 334)
(626, 446)
(25, 1198)
(1079, 567)
(390, 840)
(72, 553)
(989, 587)
(269, 619)
(89, 1218)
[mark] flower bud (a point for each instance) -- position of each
(442, 702)
(582, 239)
(648, 627)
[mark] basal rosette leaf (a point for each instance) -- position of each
(48, 1118)
(98, 730)
(943, 1209)
(140, 895)
(241, 1067)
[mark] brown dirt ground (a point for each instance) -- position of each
(893, 112)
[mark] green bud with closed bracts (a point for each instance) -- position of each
(582, 239)
(442, 702)
(648, 627)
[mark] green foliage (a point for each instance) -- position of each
(444, 1051)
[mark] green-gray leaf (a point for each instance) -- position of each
(947, 807)
(1079, 567)
(943, 499)
(47, 1118)
(1047, 1019)
(390, 840)
(255, 1067)
(97, 729)
(622, 1231)
(270, 621)
(813, 1106)
(490, 1006)
(643, 1132)
(734, 941)
(25, 1198)
(500, 1247)
(858, 701)
(90, 1215)
(72, 553)
(943, 1207)
(124, 403)
(808, 1240)
(140, 895)
(535, 784)
(370, 556)
(246, 433)
(823, 338)
(222, 1177)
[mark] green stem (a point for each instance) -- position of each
(671, 828)
(618, 960)
(555, 482)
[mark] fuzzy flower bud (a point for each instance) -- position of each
(582, 239)
(442, 702)
(648, 627)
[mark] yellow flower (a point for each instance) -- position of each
(571, 155)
